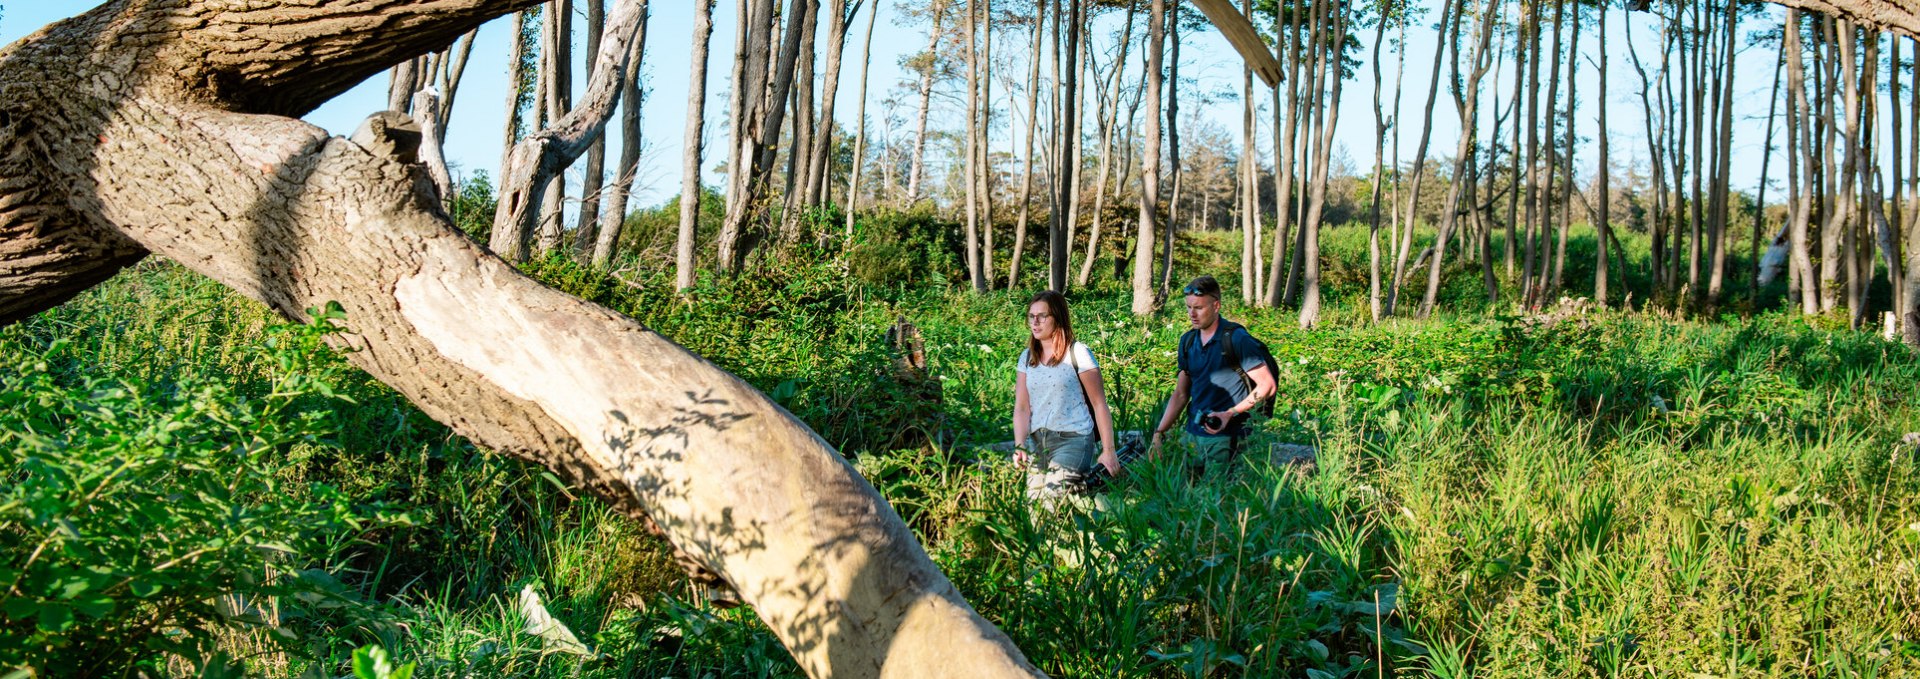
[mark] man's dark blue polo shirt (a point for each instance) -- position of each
(1217, 387)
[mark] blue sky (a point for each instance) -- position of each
(474, 137)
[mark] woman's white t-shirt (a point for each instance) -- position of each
(1054, 394)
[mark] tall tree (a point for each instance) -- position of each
(594, 174)
(556, 91)
(927, 65)
(1467, 104)
(692, 144)
(1065, 191)
(1143, 290)
(632, 97)
(1404, 245)
(1603, 227)
(860, 134)
(742, 230)
(1328, 108)
(1033, 125)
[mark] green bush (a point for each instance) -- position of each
(140, 523)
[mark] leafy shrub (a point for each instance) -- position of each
(140, 521)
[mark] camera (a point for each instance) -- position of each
(1213, 422)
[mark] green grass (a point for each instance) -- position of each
(1613, 494)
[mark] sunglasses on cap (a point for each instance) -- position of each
(1195, 290)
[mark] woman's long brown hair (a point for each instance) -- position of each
(1057, 307)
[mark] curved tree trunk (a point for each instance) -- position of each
(181, 142)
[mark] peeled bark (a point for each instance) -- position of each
(180, 141)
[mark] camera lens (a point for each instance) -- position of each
(1211, 422)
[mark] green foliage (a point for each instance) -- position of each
(141, 520)
(1585, 493)
(893, 249)
(472, 206)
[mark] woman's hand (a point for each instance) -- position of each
(1111, 462)
(1019, 455)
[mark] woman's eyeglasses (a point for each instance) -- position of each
(1036, 318)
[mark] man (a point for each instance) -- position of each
(1216, 396)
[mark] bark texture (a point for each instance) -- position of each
(162, 125)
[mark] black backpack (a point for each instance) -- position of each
(1231, 356)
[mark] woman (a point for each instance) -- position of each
(1058, 400)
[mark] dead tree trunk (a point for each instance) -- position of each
(224, 180)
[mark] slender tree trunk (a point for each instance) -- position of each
(1404, 248)
(1330, 104)
(985, 148)
(692, 144)
(917, 169)
(1800, 154)
(1379, 165)
(1834, 234)
(793, 199)
(1463, 154)
(840, 14)
(586, 225)
(742, 230)
(1521, 57)
(1317, 110)
(1603, 230)
(1284, 134)
(1065, 146)
(557, 74)
(975, 276)
(1033, 124)
(860, 134)
(607, 242)
(1566, 161)
(1108, 116)
(1760, 194)
(1723, 201)
(1143, 293)
(1173, 148)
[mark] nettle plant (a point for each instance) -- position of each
(142, 522)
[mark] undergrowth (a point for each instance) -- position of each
(194, 486)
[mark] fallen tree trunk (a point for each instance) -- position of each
(164, 126)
